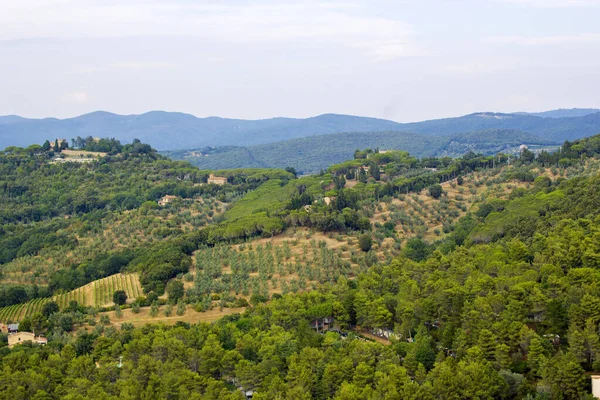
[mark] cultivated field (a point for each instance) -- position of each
(95, 294)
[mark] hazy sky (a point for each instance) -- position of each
(402, 60)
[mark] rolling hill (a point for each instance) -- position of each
(167, 130)
(312, 154)
(171, 130)
(562, 112)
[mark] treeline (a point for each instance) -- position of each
(17, 294)
(22, 240)
(104, 145)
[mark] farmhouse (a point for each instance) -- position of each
(166, 200)
(22, 337)
(217, 180)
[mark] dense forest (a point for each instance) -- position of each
(503, 305)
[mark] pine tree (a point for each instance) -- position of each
(487, 341)
(502, 356)
(535, 355)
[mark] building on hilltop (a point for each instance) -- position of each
(22, 337)
(60, 142)
(217, 180)
(166, 200)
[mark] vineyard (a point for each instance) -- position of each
(95, 294)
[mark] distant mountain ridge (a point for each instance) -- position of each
(562, 112)
(169, 130)
(172, 130)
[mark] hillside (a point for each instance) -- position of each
(309, 155)
(172, 131)
(386, 276)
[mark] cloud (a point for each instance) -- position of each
(584, 38)
(261, 21)
(77, 97)
(142, 65)
(385, 50)
(554, 3)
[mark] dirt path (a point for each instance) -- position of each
(191, 316)
(378, 339)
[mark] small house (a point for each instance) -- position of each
(217, 180)
(595, 386)
(13, 328)
(166, 200)
(22, 337)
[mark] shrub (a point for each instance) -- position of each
(119, 297)
(435, 191)
(49, 308)
(135, 307)
(154, 309)
(180, 307)
(175, 290)
(168, 310)
(365, 242)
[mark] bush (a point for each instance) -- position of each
(436, 191)
(168, 310)
(135, 307)
(119, 297)
(365, 242)
(175, 290)
(49, 308)
(154, 309)
(180, 308)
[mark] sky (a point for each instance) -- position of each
(396, 59)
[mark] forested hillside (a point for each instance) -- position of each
(386, 276)
(309, 155)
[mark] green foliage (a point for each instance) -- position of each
(436, 191)
(49, 308)
(175, 291)
(365, 242)
(504, 306)
(119, 297)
